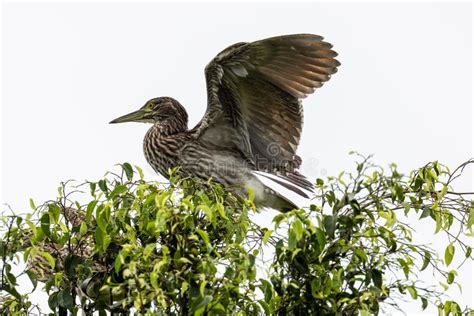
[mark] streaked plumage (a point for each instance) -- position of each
(254, 118)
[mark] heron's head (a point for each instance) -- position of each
(162, 110)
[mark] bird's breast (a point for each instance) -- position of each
(162, 152)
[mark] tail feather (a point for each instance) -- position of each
(289, 184)
(300, 180)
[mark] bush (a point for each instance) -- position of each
(191, 248)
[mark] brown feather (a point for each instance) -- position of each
(257, 87)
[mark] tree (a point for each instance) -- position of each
(191, 247)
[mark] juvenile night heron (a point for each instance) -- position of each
(250, 132)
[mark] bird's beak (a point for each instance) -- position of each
(137, 116)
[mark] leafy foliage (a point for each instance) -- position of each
(192, 248)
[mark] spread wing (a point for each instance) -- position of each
(253, 97)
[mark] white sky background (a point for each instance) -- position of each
(403, 91)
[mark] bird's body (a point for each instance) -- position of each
(169, 145)
(253, 121)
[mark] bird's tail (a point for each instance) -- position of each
(283, 193)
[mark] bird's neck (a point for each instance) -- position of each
(170, 127)
(162, 144)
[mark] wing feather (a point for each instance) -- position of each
(254, 92)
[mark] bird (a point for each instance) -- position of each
(249, 134)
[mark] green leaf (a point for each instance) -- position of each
(220, 209)
(101, 218)
(45, 224)
(140, 172)
(11, 290)
(128, 170)
(384, 215)
(202, 287)
(54, 211)
(316, 288)
(331, 198)
(229, 273)
(267, 289)
(33, 279)
(292, 240)
(53, 301)
(455, 309)
(377, 278)
(251, 194)
(26, 254)
(361, 254)
(363, 312)
(426, 212)
(447, 308)
(444, 286)
(120, 260)
(70, 264)
(426, 260)
(265, 307)
(201, 302)
(424, 303)
(185, 260)
(449, 254)
(48, 258)
(184, 287)
(329, 225)
(207, 211)
(65, 299)
(102, 239)
(297, 227)
(470, 221)
(204, 236)
(119, 189)
(165, 250)
(90, 210)
(161, 199)
(146, 252)
(267, 235)
(154, 280)
(83, 229)
(438, 221)
(468, 251)
(11, 278)
(103, 186)
(413, 292)
(278, 219)
(321, 237)
(32, 204)
(451, 275)
(92, 186)
(405, 267)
